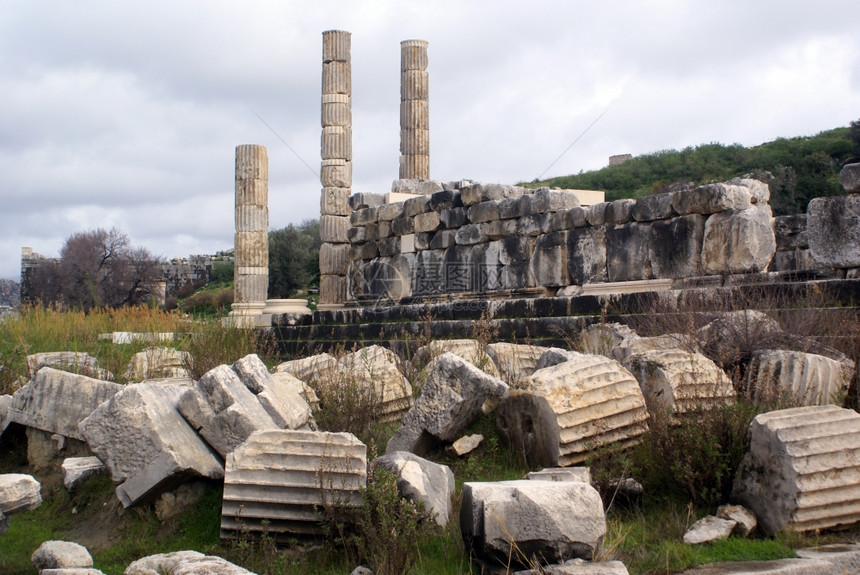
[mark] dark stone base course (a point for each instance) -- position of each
(555, 321)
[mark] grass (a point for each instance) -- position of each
(647, 539)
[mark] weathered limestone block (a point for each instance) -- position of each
(601, 338)
(284, 379)
(308, 369)
(744, 518)
(586, 248)
(483, 212)
(5, 402)
(145, 443)
(581, 474)
(57, 401)
(596, 215)
(805, 378)
(415, 206)
(620, 211)
(389, 212)
(833, 230)
(470, 234)
(421, 480)
(427, 222)
(803, 469)
(71, 361)
(628, 252)
(549, 261)
(445, 199)
(675, 247)
(18, 493)
(451, 399)
(416, 186)
(561, 413)
(738, 242)
(712, 198)
(158, 362)
(552, 200)
(464, 445)
(453, 217)
(531, 225)
(184, 563)
(488, 192)
(469, 349)
(555, 356)
(223, 410)
(276, 480)
(653, 207)
(669, 341)
(515, 361)
(709, 529)
(723, 339)
(76, 470)
(522, 521)
(383, 280)
(676, 381)
(285, 405)
(579, 567)
(333, 288)
(61, 555)
(375, 368)
(849, 178)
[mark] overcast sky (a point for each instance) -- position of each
(128, 114)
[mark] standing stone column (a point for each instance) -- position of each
(336, 170)
(251, 255)
(414, 111)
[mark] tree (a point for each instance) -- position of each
(96, 268)
(293, 258)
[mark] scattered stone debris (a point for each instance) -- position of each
(709, 529)
(421, 480)
(464, 445)
(61, 555)
(76, 470)
(517, 522)
(18, 493)
(451, 399)
(184, 563)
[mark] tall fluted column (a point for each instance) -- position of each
(251, 253)
(414, 111)
(336, 169)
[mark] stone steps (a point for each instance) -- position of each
(553, 320)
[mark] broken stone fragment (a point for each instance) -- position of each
(146, 444)
(582, 474)
(76, 470)
(451, 400)
(563, 412)
(746, 521)
(223, 410)
(579, 567)
(420, 480)
(57, 401)
(287, 408)
(184, 563)
(158, 362)
(61, 555)
(525, 521)
(374, 369)
(70, 361)
(708, 529)
(308, 369)
(469, 349)
(18, 493)
(464, 445)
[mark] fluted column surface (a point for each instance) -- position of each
(414, 111)
(251, 254)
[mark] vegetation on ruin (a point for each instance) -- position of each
(797, 169)
(686, 469)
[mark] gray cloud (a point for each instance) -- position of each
(128, 114)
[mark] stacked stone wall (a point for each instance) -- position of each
(478, 240)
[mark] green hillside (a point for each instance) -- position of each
(799, 169)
